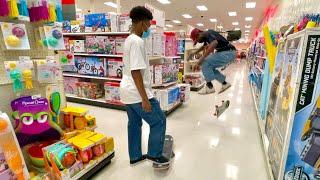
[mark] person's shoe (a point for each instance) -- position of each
(160, 160)
(225, 87)
(206, 90)
(138, 161)
(173, 155)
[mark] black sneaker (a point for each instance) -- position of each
(138, 161)
(159, 160)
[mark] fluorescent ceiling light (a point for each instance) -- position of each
(114, 13)
(248, 26)
(164, 1)
(213, 20)
(176, 21)
(232, 13)
(200, 24)
(250, 4)
(235, 23)
(249, 18)
(220, 27)
(114, 5)
(187, 16)
(247, 31)
(237, 29)
(169, 25)
(202, 8)
(207, 29)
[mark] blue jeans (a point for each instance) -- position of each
(157, 122)
(214, 61)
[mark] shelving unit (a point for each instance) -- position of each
(98, 55)
(164, 85)
(97, 33)
(90, 77)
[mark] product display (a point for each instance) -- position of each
(91, 66)
(95, 23)
(14, 36)
(54, 37)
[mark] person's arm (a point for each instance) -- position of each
(138, 80)
(211, 47)
(199, 50)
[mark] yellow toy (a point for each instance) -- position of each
(13, 41)
(27, 74)
(271, 50)
(76, 119)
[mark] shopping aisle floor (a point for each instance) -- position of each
(206, 148)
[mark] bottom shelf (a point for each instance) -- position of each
(87, 173)
(265, 141)
(172, 109)
(197, 88)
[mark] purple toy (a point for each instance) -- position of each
(57, 34)
(18, 31)
(35, 122)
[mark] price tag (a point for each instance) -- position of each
(24, 58)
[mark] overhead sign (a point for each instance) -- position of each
(158, 15)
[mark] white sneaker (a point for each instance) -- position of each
(206, 90)
(225, 87)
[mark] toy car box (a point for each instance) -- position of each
(97, 44)
(89, 90)
(93, 66)
(112, 92)
(115, 67)
(95, 22)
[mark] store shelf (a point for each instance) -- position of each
(180, 53)
(265, 141)
(87, 173)
(99, 55)
(261, 57)
(193, 61)
(97, 33)
(90, 77)
(164, 85)
(94, 102)
(197, 88)
(161, 57)
(172, 109)
(193, 73)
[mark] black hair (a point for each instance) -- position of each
(140, 13)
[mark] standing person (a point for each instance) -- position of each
(136, 93)
(225, 54)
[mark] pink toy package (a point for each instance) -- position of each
(35, 122)
(70, 85)
(112, 92)
(97, 44)
(171, 45)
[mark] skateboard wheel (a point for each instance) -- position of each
(217, 106)
(222, 101)
(215, 114)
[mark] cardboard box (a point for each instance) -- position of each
(165, 73)
(115, 67)
(89, 90)
(112, 92)
(115, 24)
(95, 22)
(70, 84)
(148, 45)
(167, 98)
(152, 74)
(157, 45)
(93, 66)
(120, 44)
(77, 26)
(77, 46)
(97, 44)
(125, 22)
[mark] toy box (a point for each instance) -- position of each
(93, 66)
(194, 81)
(69, 68)
(77, 46)
(66, 27)
(167, 98)
(158, 44)
(67, 43)
(184, 92)
(115, 24)
(70, 84)
(112, 92)
(148, 45)
(95, 22)
(77, 26)
(170, 44)
(125, 22)
(166, 73)
(181, 46)
(120, 44)
(152, 74)
(111, 46)
(115, 67)
(96, 44)
(89, 90)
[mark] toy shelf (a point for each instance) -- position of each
(197, 88)
(99, 55)
(265, 142)
(90, 77)
(172, 109)
(97, 33)
(164, 85)
(101, 102)
(91, 171)
(161, 57)
(261, 57)
(193, 73)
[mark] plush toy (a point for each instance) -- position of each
(65, 158)
(35, 122)
(52, 149)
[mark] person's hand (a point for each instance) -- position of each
(146, 106)
(190, 56)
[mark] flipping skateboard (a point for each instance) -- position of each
(220, 109)
(167, 152)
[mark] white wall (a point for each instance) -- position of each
(291, 11)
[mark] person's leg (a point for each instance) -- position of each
(134, 134)
(157, 122)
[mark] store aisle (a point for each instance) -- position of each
(206, 147)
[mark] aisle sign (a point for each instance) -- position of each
(158, 15)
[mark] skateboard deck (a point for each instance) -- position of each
(167, 152)
(220, 109)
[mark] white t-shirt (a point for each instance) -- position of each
(134, 58)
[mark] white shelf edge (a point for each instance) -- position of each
(84, 171)
(193, 73)
(102, 100)
(98, 55)
(161, 57)
(261, 57)
(164, 85)
(265, 142)
(90, 77)
(96, 33)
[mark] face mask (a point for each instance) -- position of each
(147, 33)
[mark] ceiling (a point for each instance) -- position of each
(217, 9)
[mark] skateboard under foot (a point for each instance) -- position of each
(167, 152)
(220, 109)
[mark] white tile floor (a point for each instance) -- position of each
(206, 148)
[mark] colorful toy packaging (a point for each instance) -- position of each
(54, 37)
(77, 119)
(112, 92)
(171, 44)
(97, 44)
(70, 85)
(66, 57)
(125, 22)
(89, 90)
(66, 27)
(166, 73)
(14, 36)
(95, 22)
(168, 98)
(115, 67)
(158, 44)
(93, 66)
(77, 26)
(78, 46)
(184, 92)
(181, 44)
(120, 44)
(47, 71)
